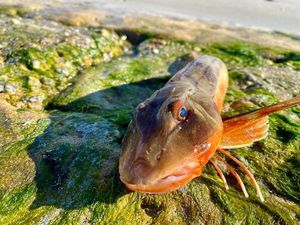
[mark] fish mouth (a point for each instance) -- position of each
(181, 176)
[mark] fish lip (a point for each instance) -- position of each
(160, 186)
(168, 183)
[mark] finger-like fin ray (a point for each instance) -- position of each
(219, 172)
(234, 173)
(246, 171)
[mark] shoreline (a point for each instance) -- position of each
(264, 15)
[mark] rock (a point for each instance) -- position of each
(61, 130)
(2, 87)
(63, 71)
(50, 52)
(36, 64)
(34, 84)
(8, 88)
(92, 90)
(1, 60)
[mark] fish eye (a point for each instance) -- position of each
(182, 114)
(178, 110)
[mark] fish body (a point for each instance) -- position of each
(177, 131)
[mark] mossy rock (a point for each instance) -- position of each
(59, 162)
(39, 58)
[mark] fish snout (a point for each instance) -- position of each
(140, 173)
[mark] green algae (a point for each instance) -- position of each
(41, 61)
(239, 53)
(62, 168)
(98, 87)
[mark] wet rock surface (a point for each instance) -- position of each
(66, 98)
(41, 57)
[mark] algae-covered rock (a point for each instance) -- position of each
(40, 57)
(105, 87)
(59, 161)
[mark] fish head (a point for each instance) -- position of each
(170, 138)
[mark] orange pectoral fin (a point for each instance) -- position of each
(242, 130)
(244, 133)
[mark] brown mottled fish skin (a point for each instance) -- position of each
(159, 152)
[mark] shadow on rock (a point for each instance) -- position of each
(76, 157)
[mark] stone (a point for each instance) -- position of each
(61, 134)
(8, 88)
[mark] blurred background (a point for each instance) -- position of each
(278, 15)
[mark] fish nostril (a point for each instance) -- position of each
(159, 154)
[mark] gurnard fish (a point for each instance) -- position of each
(179, 129)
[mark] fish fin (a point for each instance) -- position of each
(239, 134)
(242, 130)
(244, 169)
